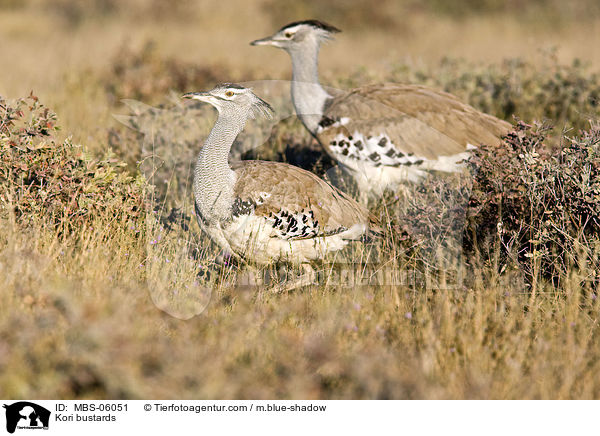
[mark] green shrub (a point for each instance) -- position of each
(44, 179)
(542, 203)
(146, 75)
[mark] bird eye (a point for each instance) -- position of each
(229, 93)
(288, 34)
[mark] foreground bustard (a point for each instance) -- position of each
(266, 212)
(380, 134)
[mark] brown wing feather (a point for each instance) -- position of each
(295, 190)
(417, 119)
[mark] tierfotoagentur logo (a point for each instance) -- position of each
(25, 415)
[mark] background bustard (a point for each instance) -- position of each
(261, 211)
(380, 134)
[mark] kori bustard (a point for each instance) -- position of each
(381, 134)
(266, 212)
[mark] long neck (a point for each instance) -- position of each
(308, 96)
(213, 178)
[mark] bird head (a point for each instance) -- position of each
(231, 99)
(299, 34)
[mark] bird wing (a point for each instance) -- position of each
(417, 120)
(298, 204)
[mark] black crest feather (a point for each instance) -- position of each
(315, 23)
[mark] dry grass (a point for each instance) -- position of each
(79, 323)
(79, 316)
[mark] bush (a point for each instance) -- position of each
(566, 94)
(44, 179)
(542, 203)
(146, 75)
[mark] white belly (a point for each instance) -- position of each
(253, 238)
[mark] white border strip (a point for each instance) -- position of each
(160, 417)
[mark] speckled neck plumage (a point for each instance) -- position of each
(308, 96)
(214, 180)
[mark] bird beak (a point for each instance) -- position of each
(265, 41)
(202, 96)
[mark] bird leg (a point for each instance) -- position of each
(306, 278)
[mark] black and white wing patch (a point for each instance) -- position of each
(298, 225)
(286, 224)
(377, 150)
